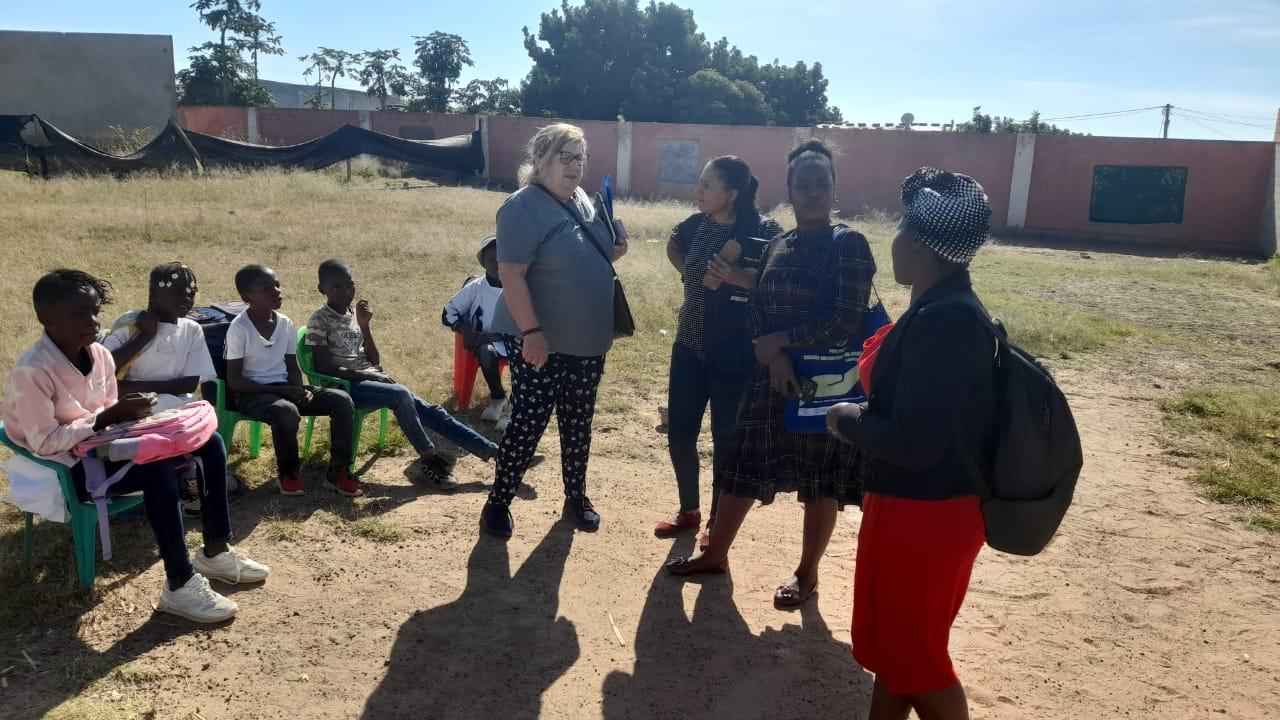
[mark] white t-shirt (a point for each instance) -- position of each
(475, 305)
(263, 358)
(176, 351)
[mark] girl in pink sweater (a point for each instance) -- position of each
(62, 390)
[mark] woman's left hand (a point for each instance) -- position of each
(838, 412)
(622, 243)
(768, 346)
(732, 273)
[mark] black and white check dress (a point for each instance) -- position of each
(763, 458)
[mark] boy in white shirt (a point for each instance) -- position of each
(263, 372)
(470, 312)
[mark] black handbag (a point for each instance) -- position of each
(624, 324)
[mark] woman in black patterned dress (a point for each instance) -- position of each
(764, 458)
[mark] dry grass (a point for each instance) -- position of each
(1231, 434)
(1117, 315)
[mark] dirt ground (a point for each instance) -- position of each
(1151, 603)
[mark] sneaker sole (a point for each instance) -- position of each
(228, 579)
(344, 493)
(290, 493)
(193, 617)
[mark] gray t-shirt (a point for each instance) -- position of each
(570, 282)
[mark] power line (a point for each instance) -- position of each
(1226, 115)
(1214, 119)
(1104, 115)
(1191, 119)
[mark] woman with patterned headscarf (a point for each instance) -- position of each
(932, 401)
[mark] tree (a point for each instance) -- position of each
(606, 57)
(983, 123)
(218, 70)
(260, 37)
(439, 58)
(380, 76)
(211, 69)
(710, 97)
(224, 16)
(488, 97)
(327, 62)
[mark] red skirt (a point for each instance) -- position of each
(913, 566)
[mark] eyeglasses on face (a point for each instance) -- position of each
(567, 157)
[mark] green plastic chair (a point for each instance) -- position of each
(228, 419)
(84, 515)
(306, 361)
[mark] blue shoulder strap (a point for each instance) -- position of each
(826, 279)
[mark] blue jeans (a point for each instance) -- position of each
(416, 415)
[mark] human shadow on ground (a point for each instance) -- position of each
(494, 651)
(711, 665)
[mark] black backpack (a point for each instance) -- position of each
(1028, 481)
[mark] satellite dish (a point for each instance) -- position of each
(907, 119)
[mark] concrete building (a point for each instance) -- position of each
(84, 82)
(293, 95)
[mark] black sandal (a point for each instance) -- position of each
(684, 567)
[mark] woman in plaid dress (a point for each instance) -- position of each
(764, 458)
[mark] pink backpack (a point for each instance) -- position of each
(171, 434)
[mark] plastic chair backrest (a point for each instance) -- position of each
(307, 363)
(306, 359)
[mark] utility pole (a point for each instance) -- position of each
(1165, 132)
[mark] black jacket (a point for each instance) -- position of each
(932, 395)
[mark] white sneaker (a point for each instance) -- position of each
(496, 410)
(197, 601)
(505, 420)
(231, 567)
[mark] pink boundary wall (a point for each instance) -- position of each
(1227, 185)
(1230, 203)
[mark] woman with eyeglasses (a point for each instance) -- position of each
(555, 254)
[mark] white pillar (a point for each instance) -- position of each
(1267, 245)
(1024, 155)
(252, 130)
(622, 183)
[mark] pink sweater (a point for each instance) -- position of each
(49, 405)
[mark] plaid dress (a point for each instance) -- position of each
(764, 458)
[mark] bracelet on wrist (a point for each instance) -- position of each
(531, 331)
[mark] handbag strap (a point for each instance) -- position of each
(591, 238)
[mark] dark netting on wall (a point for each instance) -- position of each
(29, 144)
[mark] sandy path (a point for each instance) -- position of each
(1150, 604)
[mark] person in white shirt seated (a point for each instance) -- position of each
(470, 312)
(161, 350)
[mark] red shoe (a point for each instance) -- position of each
(291, 485)
(683, 521)
(704, 538)
(344, 484)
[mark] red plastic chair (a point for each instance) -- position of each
(465, 367)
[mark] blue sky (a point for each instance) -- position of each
(937, 59)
